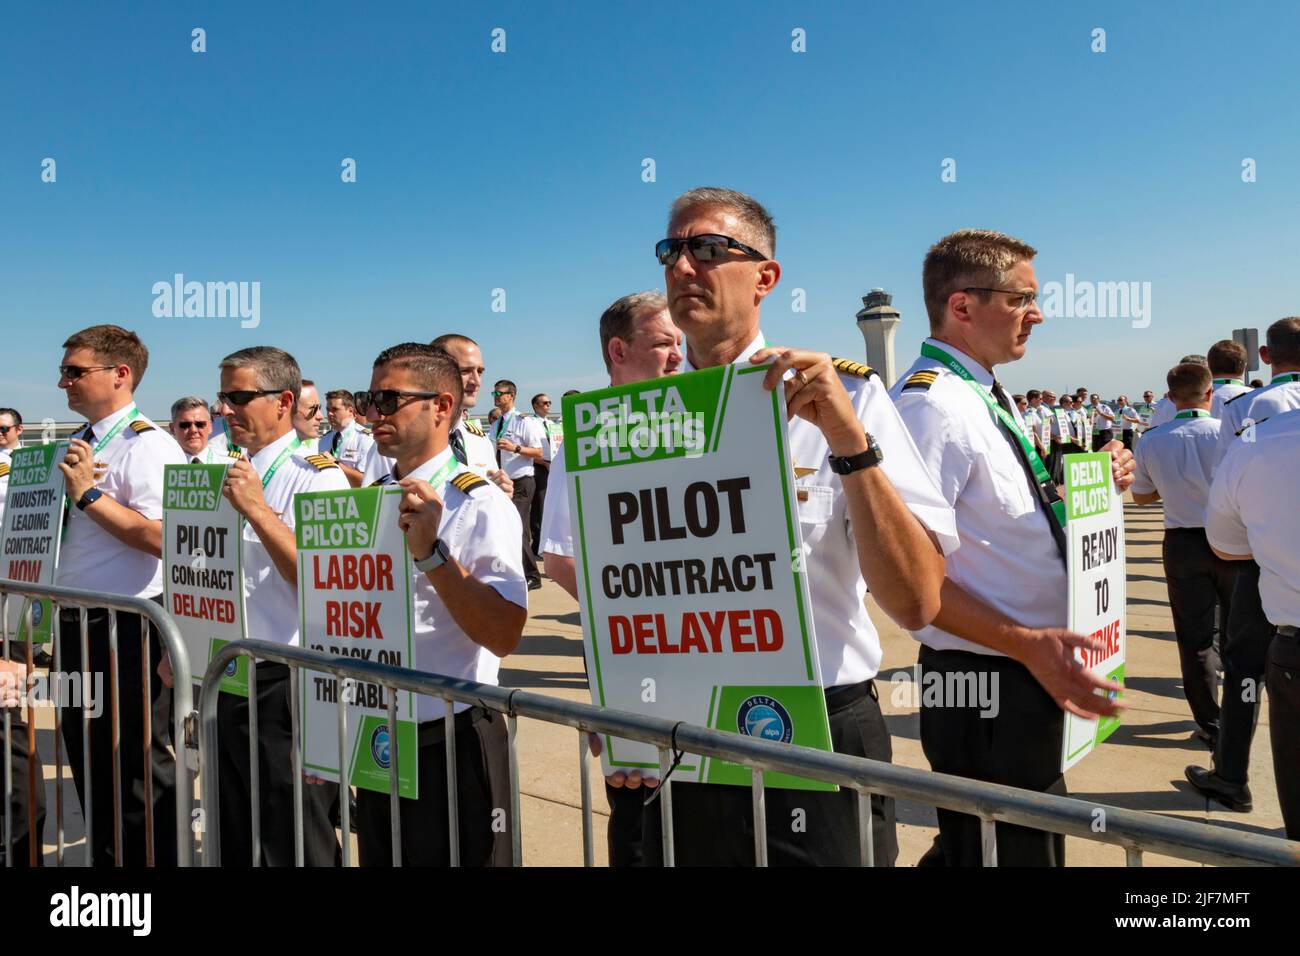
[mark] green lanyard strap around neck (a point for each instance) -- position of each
(113, 432)
(1193, 413)
(285, 452)
(439, 478)
(1285, 377)
(1043, 484)
(1228, 381)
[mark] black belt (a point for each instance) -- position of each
(837, 698)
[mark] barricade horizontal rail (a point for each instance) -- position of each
(1138, 832)
(183, 707)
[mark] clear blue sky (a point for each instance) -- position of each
(522, 171)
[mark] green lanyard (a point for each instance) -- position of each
(1285, 377)
(113, 432)
(439, 477)
(1043, 483)
(1193, 412)
(285, 452)
(1228, 381)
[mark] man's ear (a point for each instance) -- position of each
(769, 274)
(617, 351)
(1263, 355)
(959, 306)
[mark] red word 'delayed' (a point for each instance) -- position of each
(705, 632)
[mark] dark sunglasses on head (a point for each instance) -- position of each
(244, 396)
(706, 248)
(74, 372)
(386, 400)
(186, 426)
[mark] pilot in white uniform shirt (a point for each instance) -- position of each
(518, 429)
(1225, 390)
(349, 444)
(1257, 405)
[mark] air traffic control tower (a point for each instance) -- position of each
(879, 320)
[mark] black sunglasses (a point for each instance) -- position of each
(706, 248)
(385, 400)
(311, 410)
(74, 372)
(6, 429)
(361, 401)
(186, 426)
(244, 396)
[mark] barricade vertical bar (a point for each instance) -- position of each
(866, 835)
(345, 809)
(760, 817)
(1132, 856)
(56, 630)
(584, 773)
(666, 806)
(295, 702)
(87, 801)
(989, 841)
(115, 723)
(453, 810)
(516, 835)
(35, 837)
(146, 673)
(394, 779)
(9, 757)
(254, 768)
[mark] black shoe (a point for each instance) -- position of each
(1234, 796)
(42, 658)
(535, 585)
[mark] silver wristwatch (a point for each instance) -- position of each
(434, 561)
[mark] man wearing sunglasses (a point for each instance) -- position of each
(11, 433)
(261, 387)
(869, 513)
(519, 439)
(192, 428)
(307, 415)
(112, 541)
(347, 441)
(1004, 610)
(470, 603)
(638, 342)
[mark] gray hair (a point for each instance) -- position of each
(183, 405)
(756, 219)
(275, 368)
(620, 319)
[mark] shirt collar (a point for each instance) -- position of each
(105, 425)
(758, 343)
(430, 468)
(262, 460)
(977, 371)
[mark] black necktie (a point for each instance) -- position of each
(458, 447)
(88, 436)
(195, 460)
(334, 445)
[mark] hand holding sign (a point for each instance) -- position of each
(1121, 464)
(12, 678)
(815, 393)
(419, 515)
(243, 488)
(1051, 659)
(78, 467)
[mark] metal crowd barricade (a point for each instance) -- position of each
(1136, 831)
(155, 618)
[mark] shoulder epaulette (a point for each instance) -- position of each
(4, 469)
(467, 481)
(474, 427)
(234, 453)
(922, 380)
(1242, 395)
(849, 367)
(140, 426)
(1251, 425)
(321, 462)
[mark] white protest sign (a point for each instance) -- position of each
(203, 576)
(33, 521)
(1097, 582)
(695, 603)
(354, 592)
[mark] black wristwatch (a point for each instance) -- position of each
(89, 498)
(870, 458)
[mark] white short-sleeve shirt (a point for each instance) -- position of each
(1225, 390)
(518, 429)
(557, 535)
(1009, 558)
(1252, 511)
(89, 556)
(1177, 460)
(1259, 404)
(350, 444)
(1164, 411)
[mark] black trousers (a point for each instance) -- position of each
(26, 767)
(713, 824)
(1102, 438)
(623, 833)
(541, 475)
(320, 846)
(1199, 583)
(1128, 438)
(1284, 725)
(482, 800)
(162, 766)
(1245, 659)
(1019, 745)
(523, 500)
(1055, 463)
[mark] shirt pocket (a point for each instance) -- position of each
(815, 503)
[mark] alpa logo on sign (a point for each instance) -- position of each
(765, 718)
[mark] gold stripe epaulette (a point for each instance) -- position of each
(320, 461)
(4, 469)
(474, 427)
(922, 380)
(140, 426)
(849, 367)
(467, 481)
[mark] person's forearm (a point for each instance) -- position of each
(279, 541)
(561, 570)
(353, 476)
(529, 452)
(898, 560)
(485, 616)
(966, 616)
(127, 525)
(1146, 497)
